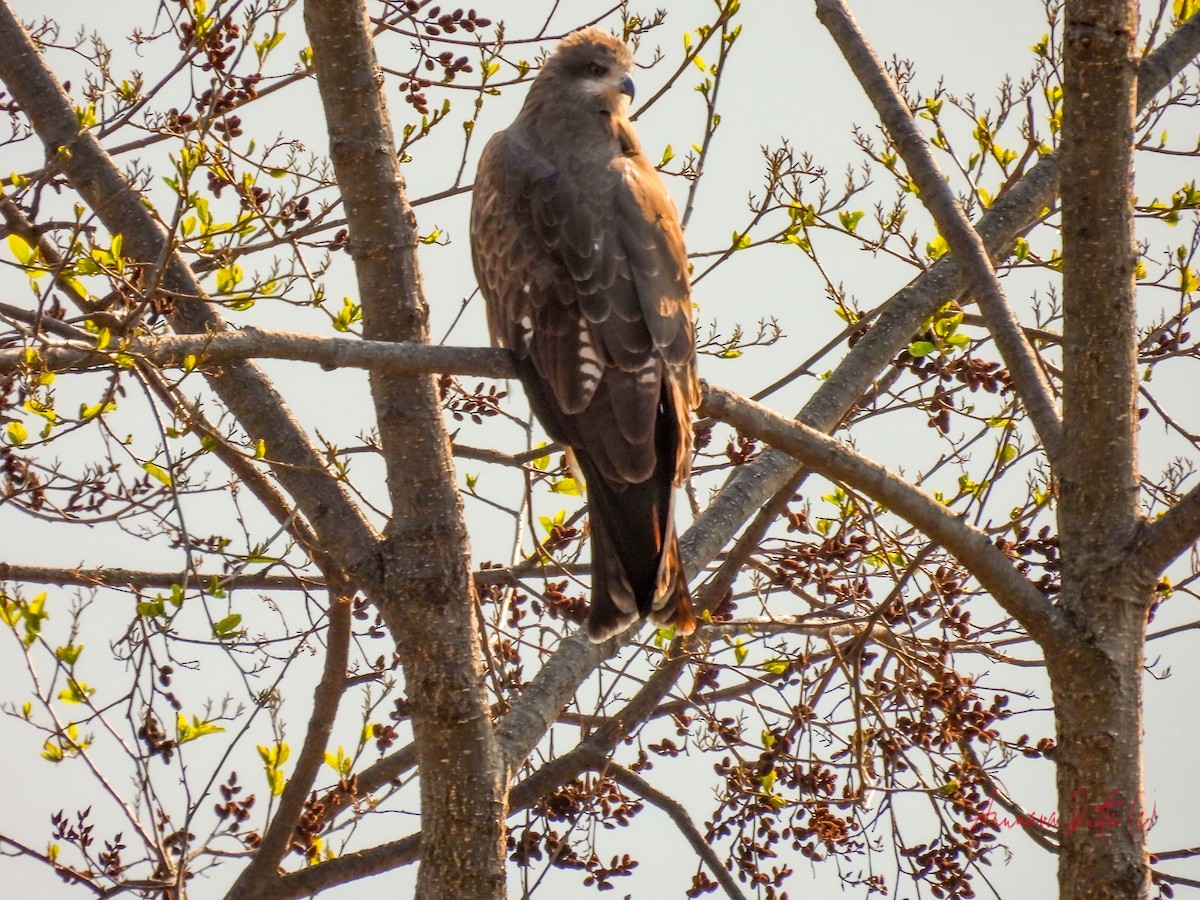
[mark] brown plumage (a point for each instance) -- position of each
(580, 257)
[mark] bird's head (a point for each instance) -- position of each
(592, 68)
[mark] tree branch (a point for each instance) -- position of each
(106, 576)
(677, 814)
(1173, 55)
(394, 357)
(346, 868)
(1171, 534)
(137, 578)
(985, 561)
(964, 241)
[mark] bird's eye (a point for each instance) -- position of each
(597, 69)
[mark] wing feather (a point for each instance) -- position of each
(586, 282)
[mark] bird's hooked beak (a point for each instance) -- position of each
(626, 87)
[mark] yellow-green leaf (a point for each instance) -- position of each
(228, 277)
(43, 409)
(17, 435)
(75, 691)
(227, 627)
(566, 486)
(275, 756)
(340, 763)
(739, 651)
(186, 731)
(21, 249)
(73, 285)
(351, 313)
(767, 780)
(850, 219)
(776, 666)
(68, 654)
(157, 472)
(542, 461)
(96, 409)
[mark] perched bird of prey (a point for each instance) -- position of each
(580, 258)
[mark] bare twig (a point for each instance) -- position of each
(278, 836)
(679, 816)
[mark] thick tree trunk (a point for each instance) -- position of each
(1098, 712)
(428, 596)
(1097, 676)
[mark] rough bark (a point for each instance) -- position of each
(428, 595)
(1097, 677)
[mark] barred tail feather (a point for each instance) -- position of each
(636, 569)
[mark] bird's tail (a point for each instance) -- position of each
(636, 568)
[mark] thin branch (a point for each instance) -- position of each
(952, 221)
(278, 836)
(398, 357)
(1184, 853)
(108, 576)
(677, 814)
(66, 873)
(138, 579)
